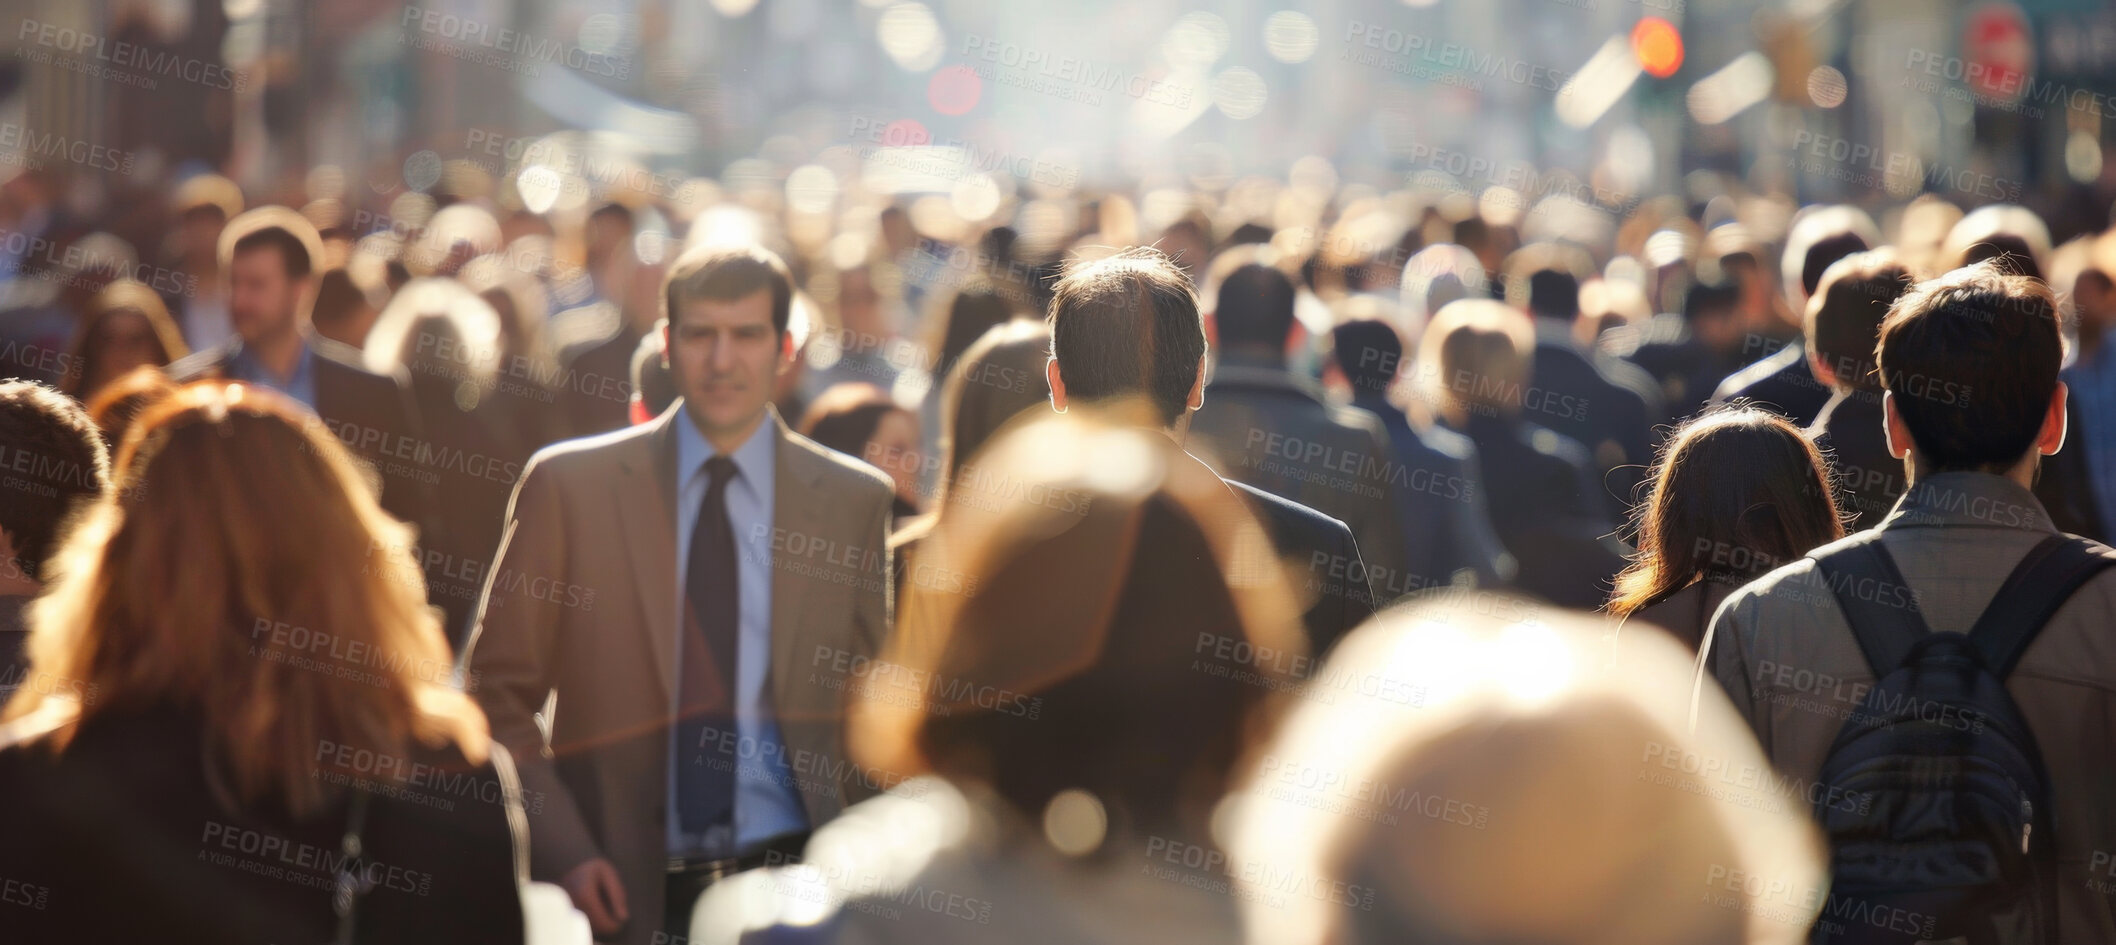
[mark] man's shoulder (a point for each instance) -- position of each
(1291, 522)
(1786, 603)
(1552, 446)
(343, 362)
(1357, 420)
(198, 364)
(1758, 371)
(837, 471)
(593, 454)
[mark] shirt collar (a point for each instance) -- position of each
(1955, 499)
(754, 459)
(246, 367)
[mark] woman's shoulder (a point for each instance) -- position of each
(1686, 611)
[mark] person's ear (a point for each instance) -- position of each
(786, 352)
(1050, 373)
(1823, 373)
(2052, 437)
(664, 327)
(1197, 387)
(1898, 432)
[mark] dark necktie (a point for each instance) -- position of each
(705, 777)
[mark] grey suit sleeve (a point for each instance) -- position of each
(1726, 660)
(509, 660)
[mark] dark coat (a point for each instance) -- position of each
(1266, 428)
(122, 838)
(1335, 590)
(1853, 436)
(1606, 405)
(1546, 511)
(1782, 382)
(370, 413)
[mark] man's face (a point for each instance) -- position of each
(200, 233)
(723, 356)
(263, 300)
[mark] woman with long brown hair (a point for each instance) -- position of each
(1735, 493)
(240, 721)
(126, 327)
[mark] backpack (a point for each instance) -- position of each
(1947, 838)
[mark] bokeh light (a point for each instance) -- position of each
(1659, 46)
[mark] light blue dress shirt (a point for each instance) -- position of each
(245, 367)
(766, 801)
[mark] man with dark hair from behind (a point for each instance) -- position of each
(1843, 322)
(1608, 405)
(1783, 381)
(1440, 494)
(1273, 430)
(56, 463)
(1969, 365)
(1128, 326)
(1691, 351)
(268, 255)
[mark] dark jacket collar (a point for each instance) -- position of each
(1244, 371)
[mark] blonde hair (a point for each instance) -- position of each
(1474, 359)
(242, 570)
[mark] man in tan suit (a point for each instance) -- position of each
(677, 614)
(1973, 426)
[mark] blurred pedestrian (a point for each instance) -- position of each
(1843, 323)
(126, 328)
(57, 465)
(1477, 741)
(1736, 492)
(1473, 370)
(861, 421)
(239, 715)
(1057, 749)
(1275, 431)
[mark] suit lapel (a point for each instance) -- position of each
(796, 511)
(646, 501)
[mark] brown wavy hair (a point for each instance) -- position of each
(242, 570)
(1735, 493)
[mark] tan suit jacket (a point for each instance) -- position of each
(1784, 652)
(574, 654)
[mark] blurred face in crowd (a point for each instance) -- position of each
(123, 340)
(724, 356)
(860, 309)
(894, 448)
(201, 234)
(263, 299)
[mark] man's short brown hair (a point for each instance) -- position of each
(1971, 360)
(1128, 324)
(57, 460)
(300, 247)
(727, 273)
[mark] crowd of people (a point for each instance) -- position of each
(1299, 561)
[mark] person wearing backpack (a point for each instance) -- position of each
(1940, 690)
